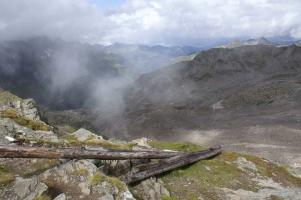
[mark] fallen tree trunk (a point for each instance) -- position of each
(7, 151)
(169, 164)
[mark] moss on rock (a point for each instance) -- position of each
(7, 97)
(23, 121)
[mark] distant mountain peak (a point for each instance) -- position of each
(253, 41)
(258, 41)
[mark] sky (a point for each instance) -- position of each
(107, 5)
(166, 22)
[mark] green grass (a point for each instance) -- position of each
(82, 171)
(7, 97)
(71, 139)
(116, 182)
(203, 177)
(6, 175)
(98, 177)
(276, 172)
(40, 166)
(164, 197)
(176, 146)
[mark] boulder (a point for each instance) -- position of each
(151, 189)
(61, 197)
(24, 189)
(21, 115)
(244, 164)
(9, 127)
(24, 107)
(116, 167)
(83, 134)
(82, 180)
(142, 142)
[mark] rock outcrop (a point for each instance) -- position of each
(151, 189)
(21, 115)
(82, 180)
(83, 135)
(24, 189)
(23, 107)
(227, 176)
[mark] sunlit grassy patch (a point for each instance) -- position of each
(6, 97)
(39, 166)
(71, 139)
(98, 177)
(206, 177)
(276, 172)
(176, 146)
(23, 121)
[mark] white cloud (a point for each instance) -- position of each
(67, 19)
(151, 21)
(191, 21)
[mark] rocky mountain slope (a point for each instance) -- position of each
(247, 98)
(227, 176)
(250, 77)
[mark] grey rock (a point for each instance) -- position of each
(295, 171)
(151, 189)
(29, 109)
(61, 197)
(143, 142)
(244, 164)
(24, 107)
(107, 197)
(24, 189)
(9, 127)
(82, 179)
(83, 134)
(117, 168)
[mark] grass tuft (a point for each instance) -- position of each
(96, 178)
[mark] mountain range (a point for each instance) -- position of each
(212, 95)
(245, 96)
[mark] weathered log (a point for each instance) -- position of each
(169, 164)
(7, 151)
